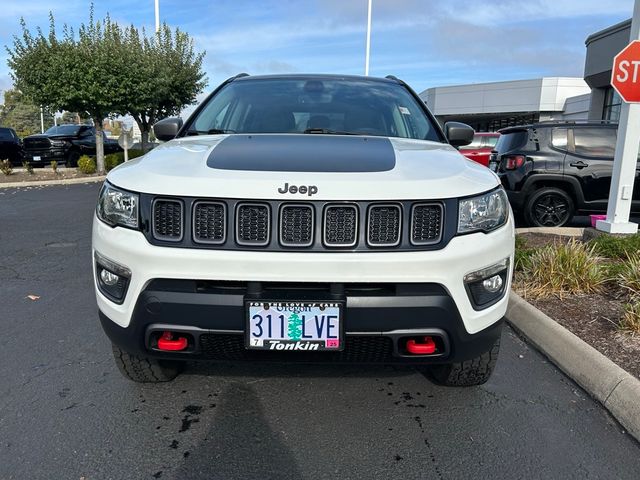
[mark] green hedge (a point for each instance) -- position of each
(87, 165)
(112, 160)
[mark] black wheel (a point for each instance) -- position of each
(143, 369)
(548, 207)
(72, 158)
(468, 373)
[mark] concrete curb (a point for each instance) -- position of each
(613, 387)
(560, 231)
(64, 181)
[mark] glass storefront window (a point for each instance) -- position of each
(612, 102)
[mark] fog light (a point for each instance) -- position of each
(109, 278)
(112, 279)
(487, 285)
(492, 284)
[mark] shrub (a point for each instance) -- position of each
(629, 274)
(523, 253)
(630, 321)
(571, 268)
(54, 166)
(28, 167)
(112, 160)
(5, 167)
(611, 246)
(86, 165)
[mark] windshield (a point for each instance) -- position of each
(308, 105)
(63, 130)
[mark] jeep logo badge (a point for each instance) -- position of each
(303, 189)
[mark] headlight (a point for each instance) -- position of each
(117, 207)
(485, 212)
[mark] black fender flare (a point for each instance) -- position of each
(570, 184)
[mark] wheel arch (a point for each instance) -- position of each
(568, 184)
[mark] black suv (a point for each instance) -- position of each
(10, 146)
(65, 143)
(553, 170)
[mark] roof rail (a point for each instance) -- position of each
(240, 75)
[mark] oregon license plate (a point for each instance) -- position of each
(299, 326)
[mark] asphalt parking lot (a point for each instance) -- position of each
(65, 411)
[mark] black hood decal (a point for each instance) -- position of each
(303, 153)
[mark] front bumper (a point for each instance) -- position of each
(427, 288)
(39, 157)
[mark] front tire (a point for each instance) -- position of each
(468, 373)
(549, 207)
(145, 370)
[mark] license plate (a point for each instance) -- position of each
(36, 158)
(297, 326)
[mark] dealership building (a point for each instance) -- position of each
(491, 106)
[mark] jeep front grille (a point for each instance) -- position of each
(230, 224)
(167, 220)
(384, 225)
(252, 224)
(341, 225)
(426, 223)
(296, 225)
(209, 222)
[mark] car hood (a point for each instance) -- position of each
(340, 167)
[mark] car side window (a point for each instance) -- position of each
(559, 138)
(595, 142)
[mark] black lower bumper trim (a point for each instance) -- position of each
(371, 317)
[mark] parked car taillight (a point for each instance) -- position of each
(511, 162)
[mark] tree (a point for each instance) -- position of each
(21, 115)
(107, 70)
(172, 75)
(74, 117)
(68, 73)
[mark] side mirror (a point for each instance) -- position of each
(458, 134)
(167, 129)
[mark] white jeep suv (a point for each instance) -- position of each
(305, 218)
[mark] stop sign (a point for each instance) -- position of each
(625, 76)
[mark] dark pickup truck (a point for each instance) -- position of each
(10, 146)
(65, 144)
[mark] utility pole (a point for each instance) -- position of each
(366, 61)
(626, 156)
(157, 15)
(41, 119)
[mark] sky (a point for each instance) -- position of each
(427, 43)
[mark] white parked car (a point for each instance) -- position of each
(305, 218)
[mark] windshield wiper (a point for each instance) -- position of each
(211, 131)
(326, 131)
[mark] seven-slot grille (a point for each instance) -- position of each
(384, 225)
(252, 224)
(167, 220)
(296, 225)
(209, 222)
(426, 223)
(318, 225)
(341, 225)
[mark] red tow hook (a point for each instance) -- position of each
(427, 347)
(165, 342)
